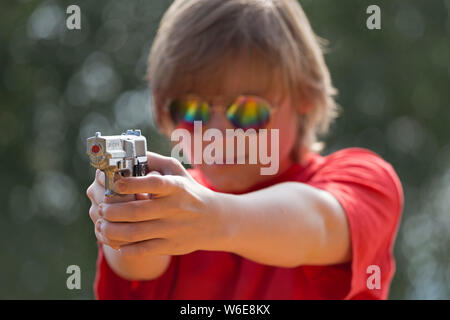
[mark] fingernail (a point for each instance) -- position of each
(98, 225)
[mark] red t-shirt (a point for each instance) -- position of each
(371, 194)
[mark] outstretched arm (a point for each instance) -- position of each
(286, 225)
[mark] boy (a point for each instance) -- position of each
(322, 227)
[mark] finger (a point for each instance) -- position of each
(165, 165)
(143, 248)
(95, 192)
(113, 244)
(99, 191)
(101, 237)
(147, 196)
(100, 177)
(135, 211)
(119, 198)
(133, 232)
(158, 185)
(93, 213)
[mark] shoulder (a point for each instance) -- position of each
(359, 168)
(350, 155)
(357, 159)
(370, 192)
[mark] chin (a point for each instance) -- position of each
(231, 177)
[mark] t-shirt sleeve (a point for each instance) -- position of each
(371, 195)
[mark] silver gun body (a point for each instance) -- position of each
(121, 155)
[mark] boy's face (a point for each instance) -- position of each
(239, 177)
(243, 76)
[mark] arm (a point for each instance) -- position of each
(286, 225)
(128, 267)
(136, 267)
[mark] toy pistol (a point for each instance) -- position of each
(123, 155)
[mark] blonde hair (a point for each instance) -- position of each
(198, 42)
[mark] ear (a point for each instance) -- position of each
(302, 104)
(304, 108)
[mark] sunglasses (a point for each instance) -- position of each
(246, 112)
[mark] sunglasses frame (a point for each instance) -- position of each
(272, 107)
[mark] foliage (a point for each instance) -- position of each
(59, 86)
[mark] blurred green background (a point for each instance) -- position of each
(59, 86)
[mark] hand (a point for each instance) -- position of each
(178, 219)
(96, 193)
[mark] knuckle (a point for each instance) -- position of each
(90, 191)
(92, 213)
(107, 230)
(158, 182)
(98, 236)
(108, 214)
(174, 162)
(178, 182)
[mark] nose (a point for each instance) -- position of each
(218, 119)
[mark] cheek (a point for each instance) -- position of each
(287, 123)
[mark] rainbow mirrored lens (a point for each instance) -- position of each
(246, 112)
(249, 112)
(189, 110)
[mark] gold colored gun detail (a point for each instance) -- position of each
(121, 155)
